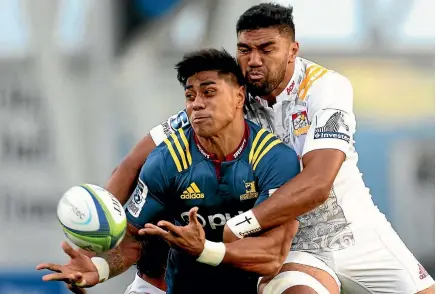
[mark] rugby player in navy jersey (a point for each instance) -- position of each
(221, 165)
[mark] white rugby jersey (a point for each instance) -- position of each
(315, 111)
(140, 286)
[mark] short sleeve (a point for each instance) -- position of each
(333, 124)
(160, 132)
(147, 202)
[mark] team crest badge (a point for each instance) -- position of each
(300, 123)
(250, 191)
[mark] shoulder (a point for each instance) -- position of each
(324, 88)
(318, 78)
(333, 83)
(175, 151)
(160, 132)
(264, 147)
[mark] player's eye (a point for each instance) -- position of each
(189, 96)
(209, 92)
(243, 50)
(267, 50)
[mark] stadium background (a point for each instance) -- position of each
(82, 80)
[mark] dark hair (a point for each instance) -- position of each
(208, 59)
(267, 15)
(154, 254)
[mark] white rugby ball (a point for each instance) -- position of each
(92, 218)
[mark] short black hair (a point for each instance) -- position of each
(153, 258)
(208, 59)
(267, 15)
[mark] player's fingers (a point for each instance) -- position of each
(170, 227)
(193, 216)
(69, 250)
(150, 229)
(49, 266)
(69, 278)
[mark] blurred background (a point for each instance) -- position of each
(82, 80)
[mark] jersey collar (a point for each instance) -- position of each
(235, 154)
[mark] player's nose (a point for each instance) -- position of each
(255, 59)
(198, 103)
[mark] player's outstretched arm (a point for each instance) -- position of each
(83, 271)
(125, 255)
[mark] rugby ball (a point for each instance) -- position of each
(92, 218)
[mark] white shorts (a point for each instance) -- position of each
(139, 286)
(378, 262)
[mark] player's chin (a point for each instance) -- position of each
(203, 131)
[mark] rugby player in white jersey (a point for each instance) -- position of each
(342, 234)
(343, 238)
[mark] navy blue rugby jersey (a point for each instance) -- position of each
(180, 174)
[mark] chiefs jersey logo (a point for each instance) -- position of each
(300, 123)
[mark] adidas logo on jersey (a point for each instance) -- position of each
(192, 192)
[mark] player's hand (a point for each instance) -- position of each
(190, 238)
(80, 271)
(228, 236)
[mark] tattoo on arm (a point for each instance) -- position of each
(122, 257)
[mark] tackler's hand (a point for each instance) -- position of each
(80, 271)
(190, 238)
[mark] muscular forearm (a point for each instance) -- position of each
(298, 196)
(263, 254)
(122, 257)
(305, 192)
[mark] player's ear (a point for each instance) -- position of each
(241, 97)
(295, 47)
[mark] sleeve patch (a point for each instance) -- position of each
(138, 199)
(178, 120)
(335, 127)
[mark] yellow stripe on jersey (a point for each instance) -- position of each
(322, 73)
(259, 149)
(173, 155)
(185, 141)
(306, 78)
(313, 73)
(179, 148)
(253, 146)
(190, 190)
(195, 187)
(267, 149)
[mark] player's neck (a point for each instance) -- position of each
(271, 98)
(226, 141)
